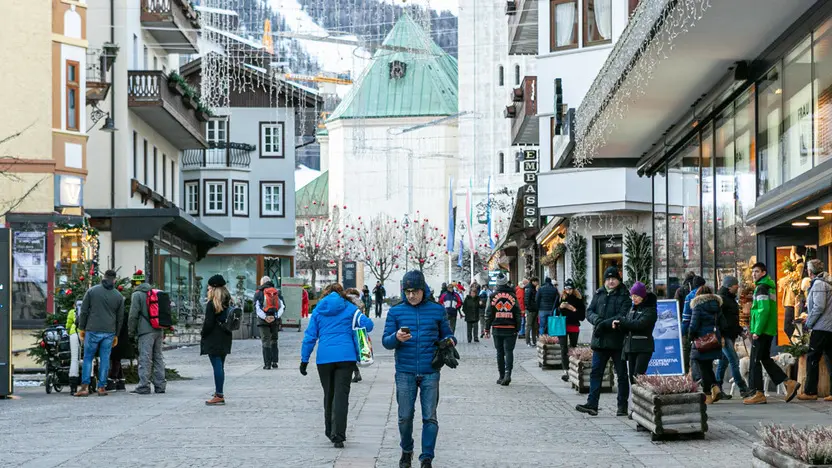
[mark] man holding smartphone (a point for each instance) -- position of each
(412, 329)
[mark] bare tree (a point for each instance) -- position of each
(426, 243)
(7, 161)
(319, 243)
(376, 243)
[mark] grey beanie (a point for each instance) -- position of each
(729, 281)
(501, 279)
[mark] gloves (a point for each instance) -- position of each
(303, 366)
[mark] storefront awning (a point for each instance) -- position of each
(803, 193)
(144, 224)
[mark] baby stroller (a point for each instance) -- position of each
(55, 340)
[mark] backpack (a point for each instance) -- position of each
(158, 309)
(271, 299)
(233, 317)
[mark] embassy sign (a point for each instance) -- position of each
(531, 167)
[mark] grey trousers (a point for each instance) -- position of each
(268, 338)
(151, 362)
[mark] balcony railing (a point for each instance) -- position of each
(173, 115)
(173, 23)
(219, 156)
(522, 27)
(523, 112)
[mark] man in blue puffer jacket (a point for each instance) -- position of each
(412, 329)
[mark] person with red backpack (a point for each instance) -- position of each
(269, 307)
(149, 318)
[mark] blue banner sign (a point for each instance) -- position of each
(667, 356)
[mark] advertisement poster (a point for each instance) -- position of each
(29, 251)
(667, 357)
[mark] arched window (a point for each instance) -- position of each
(500, 76)
(517, 75)
(502, 159)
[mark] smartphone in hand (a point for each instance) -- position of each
(405, 330)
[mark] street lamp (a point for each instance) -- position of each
(406, 225)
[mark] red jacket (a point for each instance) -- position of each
(304, 305)
(521, 298)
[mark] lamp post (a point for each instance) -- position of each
(406, 225)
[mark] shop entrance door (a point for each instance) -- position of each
(272, 269)
(609, 251)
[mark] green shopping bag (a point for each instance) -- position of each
(362, 341)
(556, 325)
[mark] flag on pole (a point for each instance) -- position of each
(451, 216)
(459, 261)
(488, 215)
(470, 219)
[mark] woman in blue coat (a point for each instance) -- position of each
(706, 318)
(331, 327)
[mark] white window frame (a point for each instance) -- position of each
(216, 131)
(268, 132)
(215, 197)
(192, 197)
(239, 198)
(267, 194)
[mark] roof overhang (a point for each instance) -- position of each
(669, 56)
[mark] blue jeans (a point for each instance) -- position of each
(406, 388)
(544, 322)
(101, 343)
(729, 357)
(599, 366)
(522, 331)
(218, 363)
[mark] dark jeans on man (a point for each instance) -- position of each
(820, 344)
(452, 320)
(379, 303)
(600, 358)
(729, 358)
(218, 364)
(637, 364)
(268, 338)
(531, 327)
(505, 352)
(427, 386)
(761, 357)
(335, 380)
(473, 331)
(571, 338)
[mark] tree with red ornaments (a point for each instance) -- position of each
(377, 243)
(426, 243)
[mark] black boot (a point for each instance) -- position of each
(275, 356)
(267, 358)
(406, 460)
(73, 384)
(356, 376)
(507, 380)
(120, 385)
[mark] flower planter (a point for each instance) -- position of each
(767, 457)
(579, 375)
(203, 116)
(823, 375)
(189, 102)
(662, 415)
(548, 356)
(176, 86)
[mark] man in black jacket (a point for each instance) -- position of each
(610, 303)
(379, 292)
(503, 321)
(547, 300)
(732, 331)
(530, 299)
(269, 306)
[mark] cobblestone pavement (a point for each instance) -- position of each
(274, 418)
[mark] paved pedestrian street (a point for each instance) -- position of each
(274, 418)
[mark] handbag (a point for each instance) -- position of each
(556, 325)
(362, 341)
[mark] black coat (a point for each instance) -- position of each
(502, 297)
(603, 310)
(573, 318)
(638, 326)
(547, 298)
(731, 314)
(530, 298)
(706, 318)
(471, 308)
(215, 339)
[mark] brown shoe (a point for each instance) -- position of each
(792, 386)
(805, 397)
(714, 394)
(709, 399)
(102, 391)
(829, 398)
(218, 400)
(759, 398)
(83, 392)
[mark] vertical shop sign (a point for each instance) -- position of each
(531, 218)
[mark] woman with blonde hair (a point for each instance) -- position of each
(216, 340)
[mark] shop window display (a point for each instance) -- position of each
(797, 126)
(230, 267)
(708, 190)
(770, 110)
(683, 217)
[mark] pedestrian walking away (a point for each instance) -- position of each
(690, 365)
(412, 329)
(706, 325)
(485, 293)
(331, 329)
(101, 318)
(304, 304)
(380, 293)
(471, 310)
(502, 322)
(452, 302)
(638, 326)
(520, 292)
(216, 339)
(530, 298)
(366, 300)
(573, 307)
(269, 306)
(140, 327)
(609, 304)
(547, 299)
(763, 329)
(819, 307)
(732, 331)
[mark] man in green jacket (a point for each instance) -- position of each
(763, 329)
(151, 360)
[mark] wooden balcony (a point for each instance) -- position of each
(171, 114)
(173, 23)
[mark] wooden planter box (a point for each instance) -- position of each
(684, 413)
(823, 375)
(579, 375)
(767, 457)
(548, 356)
